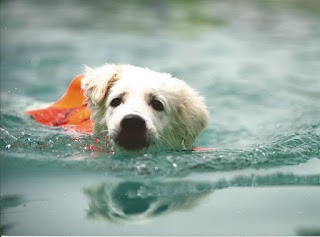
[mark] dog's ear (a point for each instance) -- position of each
(191, 117)
(97, 82)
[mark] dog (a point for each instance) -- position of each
(141, 109)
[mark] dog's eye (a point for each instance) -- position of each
(116, 102)
(157, 105)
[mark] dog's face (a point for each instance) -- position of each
(142, 109)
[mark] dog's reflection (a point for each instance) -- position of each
(139, 201)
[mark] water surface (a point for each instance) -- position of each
(256, 63)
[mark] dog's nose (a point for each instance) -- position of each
(133, 122)
(132, 135)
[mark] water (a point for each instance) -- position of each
(256, 62)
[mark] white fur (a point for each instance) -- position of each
(183, 118)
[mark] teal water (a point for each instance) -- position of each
(256, 62)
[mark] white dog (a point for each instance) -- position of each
(142, 109)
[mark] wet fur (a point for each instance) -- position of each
(185, 112)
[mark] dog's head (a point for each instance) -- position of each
(140, 108)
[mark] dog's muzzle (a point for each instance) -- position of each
(133, 132)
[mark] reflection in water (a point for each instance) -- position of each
(308, 231)
(138, 201)
(8, 201)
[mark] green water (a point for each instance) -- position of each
(256, 62)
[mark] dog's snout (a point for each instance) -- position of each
(133, 132)
(133, 122)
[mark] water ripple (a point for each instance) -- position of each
(57, 148)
